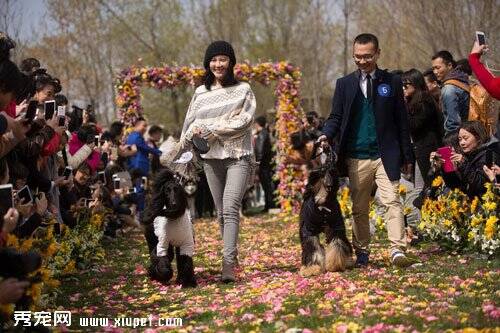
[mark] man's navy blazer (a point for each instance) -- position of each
(391, 119)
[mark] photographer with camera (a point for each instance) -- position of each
(119, 152)
(82, 148)
(463, 168)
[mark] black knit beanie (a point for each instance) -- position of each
(219, 47)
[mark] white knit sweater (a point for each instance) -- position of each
(228, 113)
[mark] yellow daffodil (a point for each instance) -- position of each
(438, 181)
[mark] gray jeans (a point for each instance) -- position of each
(228, 180)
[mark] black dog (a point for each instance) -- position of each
(321, 212)
(167, 226)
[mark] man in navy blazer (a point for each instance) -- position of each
(369, 126)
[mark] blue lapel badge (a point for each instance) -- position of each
(384, 90)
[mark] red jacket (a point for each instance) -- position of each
(487, 80)
(52, 146)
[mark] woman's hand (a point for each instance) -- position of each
(476, 48)
(11, 290)
(24, 209)
(457, 158)
(106, 146)
(492, 172)
(196, 130)
(21, 107)
(61, 181)
(41, 203)
(436, 160)
(97, 193)
(10, 221)
(53, 122)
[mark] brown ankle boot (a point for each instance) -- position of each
(227, 272)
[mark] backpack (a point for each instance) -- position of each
(481, 104)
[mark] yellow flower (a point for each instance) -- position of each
(475, 221)
(380, 222)
(51, 249)
(7, 309)
(402, 189)
(491, 206)
(27, 245)
(70, 267)
(53, 283)
(437, 182)
(489, 230)
(447, 223)
(45, 274)
(96, 220)
(36, 290)
(470, 235)
(473, 205)
(12, 241)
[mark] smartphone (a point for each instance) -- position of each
(131, 190)
(96, 140)
(101, 177)
(116, 183)
(6, 199)
(25, 194)
(87, 202)
(67, 172)
(144, 182)
(445, 153)
(489, 158)
(480, 37)
(61, 113)
(49, 109)
(31, 111)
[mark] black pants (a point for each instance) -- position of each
(266, 180)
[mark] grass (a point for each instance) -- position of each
(447, 291)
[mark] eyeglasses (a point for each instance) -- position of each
(365, 57)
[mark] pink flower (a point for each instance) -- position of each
(248, 316)
(305, 312)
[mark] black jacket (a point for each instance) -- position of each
(390, 118)
(470, 172)
(263, 148)
(425, 123)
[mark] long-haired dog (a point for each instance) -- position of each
(320, 212)
(168, 226)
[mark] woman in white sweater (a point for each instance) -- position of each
(222, 111)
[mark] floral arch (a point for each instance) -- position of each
(288, 111)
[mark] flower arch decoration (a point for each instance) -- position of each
(288, 111)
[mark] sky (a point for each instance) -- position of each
(34, 12)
